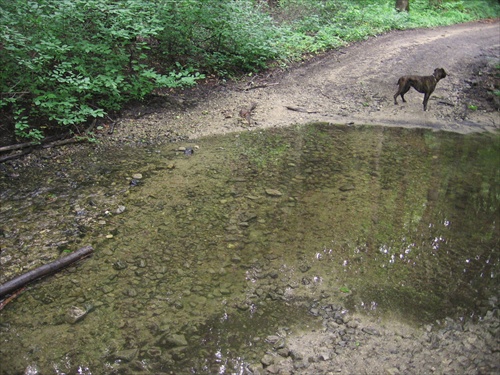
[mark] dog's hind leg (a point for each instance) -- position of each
(405, 89)
(402, 90)
(396, 97)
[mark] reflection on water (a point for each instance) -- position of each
(211, 253)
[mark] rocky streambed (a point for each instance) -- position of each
(315, 249)
(347, 343)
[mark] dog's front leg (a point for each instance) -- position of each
(426, 99)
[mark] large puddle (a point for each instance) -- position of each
(202, 257)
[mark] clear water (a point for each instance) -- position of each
(218, 250)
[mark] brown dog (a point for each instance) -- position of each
(423, 84)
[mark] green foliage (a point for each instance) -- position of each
(67, 62)
(223, 36)
(330, 23)
(345, 289)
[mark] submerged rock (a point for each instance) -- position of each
(267, 360)
(371, 331)
(173, 341)
(347, 187)
(75, 314)
(119, 265)
(274, 192)
(126, 355)
(134, 182)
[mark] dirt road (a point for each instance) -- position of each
(354, 84)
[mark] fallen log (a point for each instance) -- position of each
(299, 109)
(14, 156)
(19, 146)
(55, 266)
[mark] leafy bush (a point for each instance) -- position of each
(66, 62)
(220, 36)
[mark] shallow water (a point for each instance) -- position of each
(218, 250)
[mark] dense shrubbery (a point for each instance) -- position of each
(65, 62)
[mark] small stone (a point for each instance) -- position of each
(75, 314)
(371, 331)
(273, 369)
(267, 360)
(304, 267)
(347, 187)
(248, 216)
(255, 368)
(352, 324)
(131, 292)
(280, 344)
(274, 193)
(273, 274)
(173, 341)
(154, 351)
(314, 311)
(120, 210)
(243, 306)
(119, 265)
(107, 289)
(137, 176)
(299, 365)
(324, 356)
(296, 356)
(392, 371)
(283, 352)
(126, 355)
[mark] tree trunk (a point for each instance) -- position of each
(403, 5)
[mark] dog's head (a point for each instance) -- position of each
(439, 73)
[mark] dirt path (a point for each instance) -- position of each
(355, 84)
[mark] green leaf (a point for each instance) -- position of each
(344, 289)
